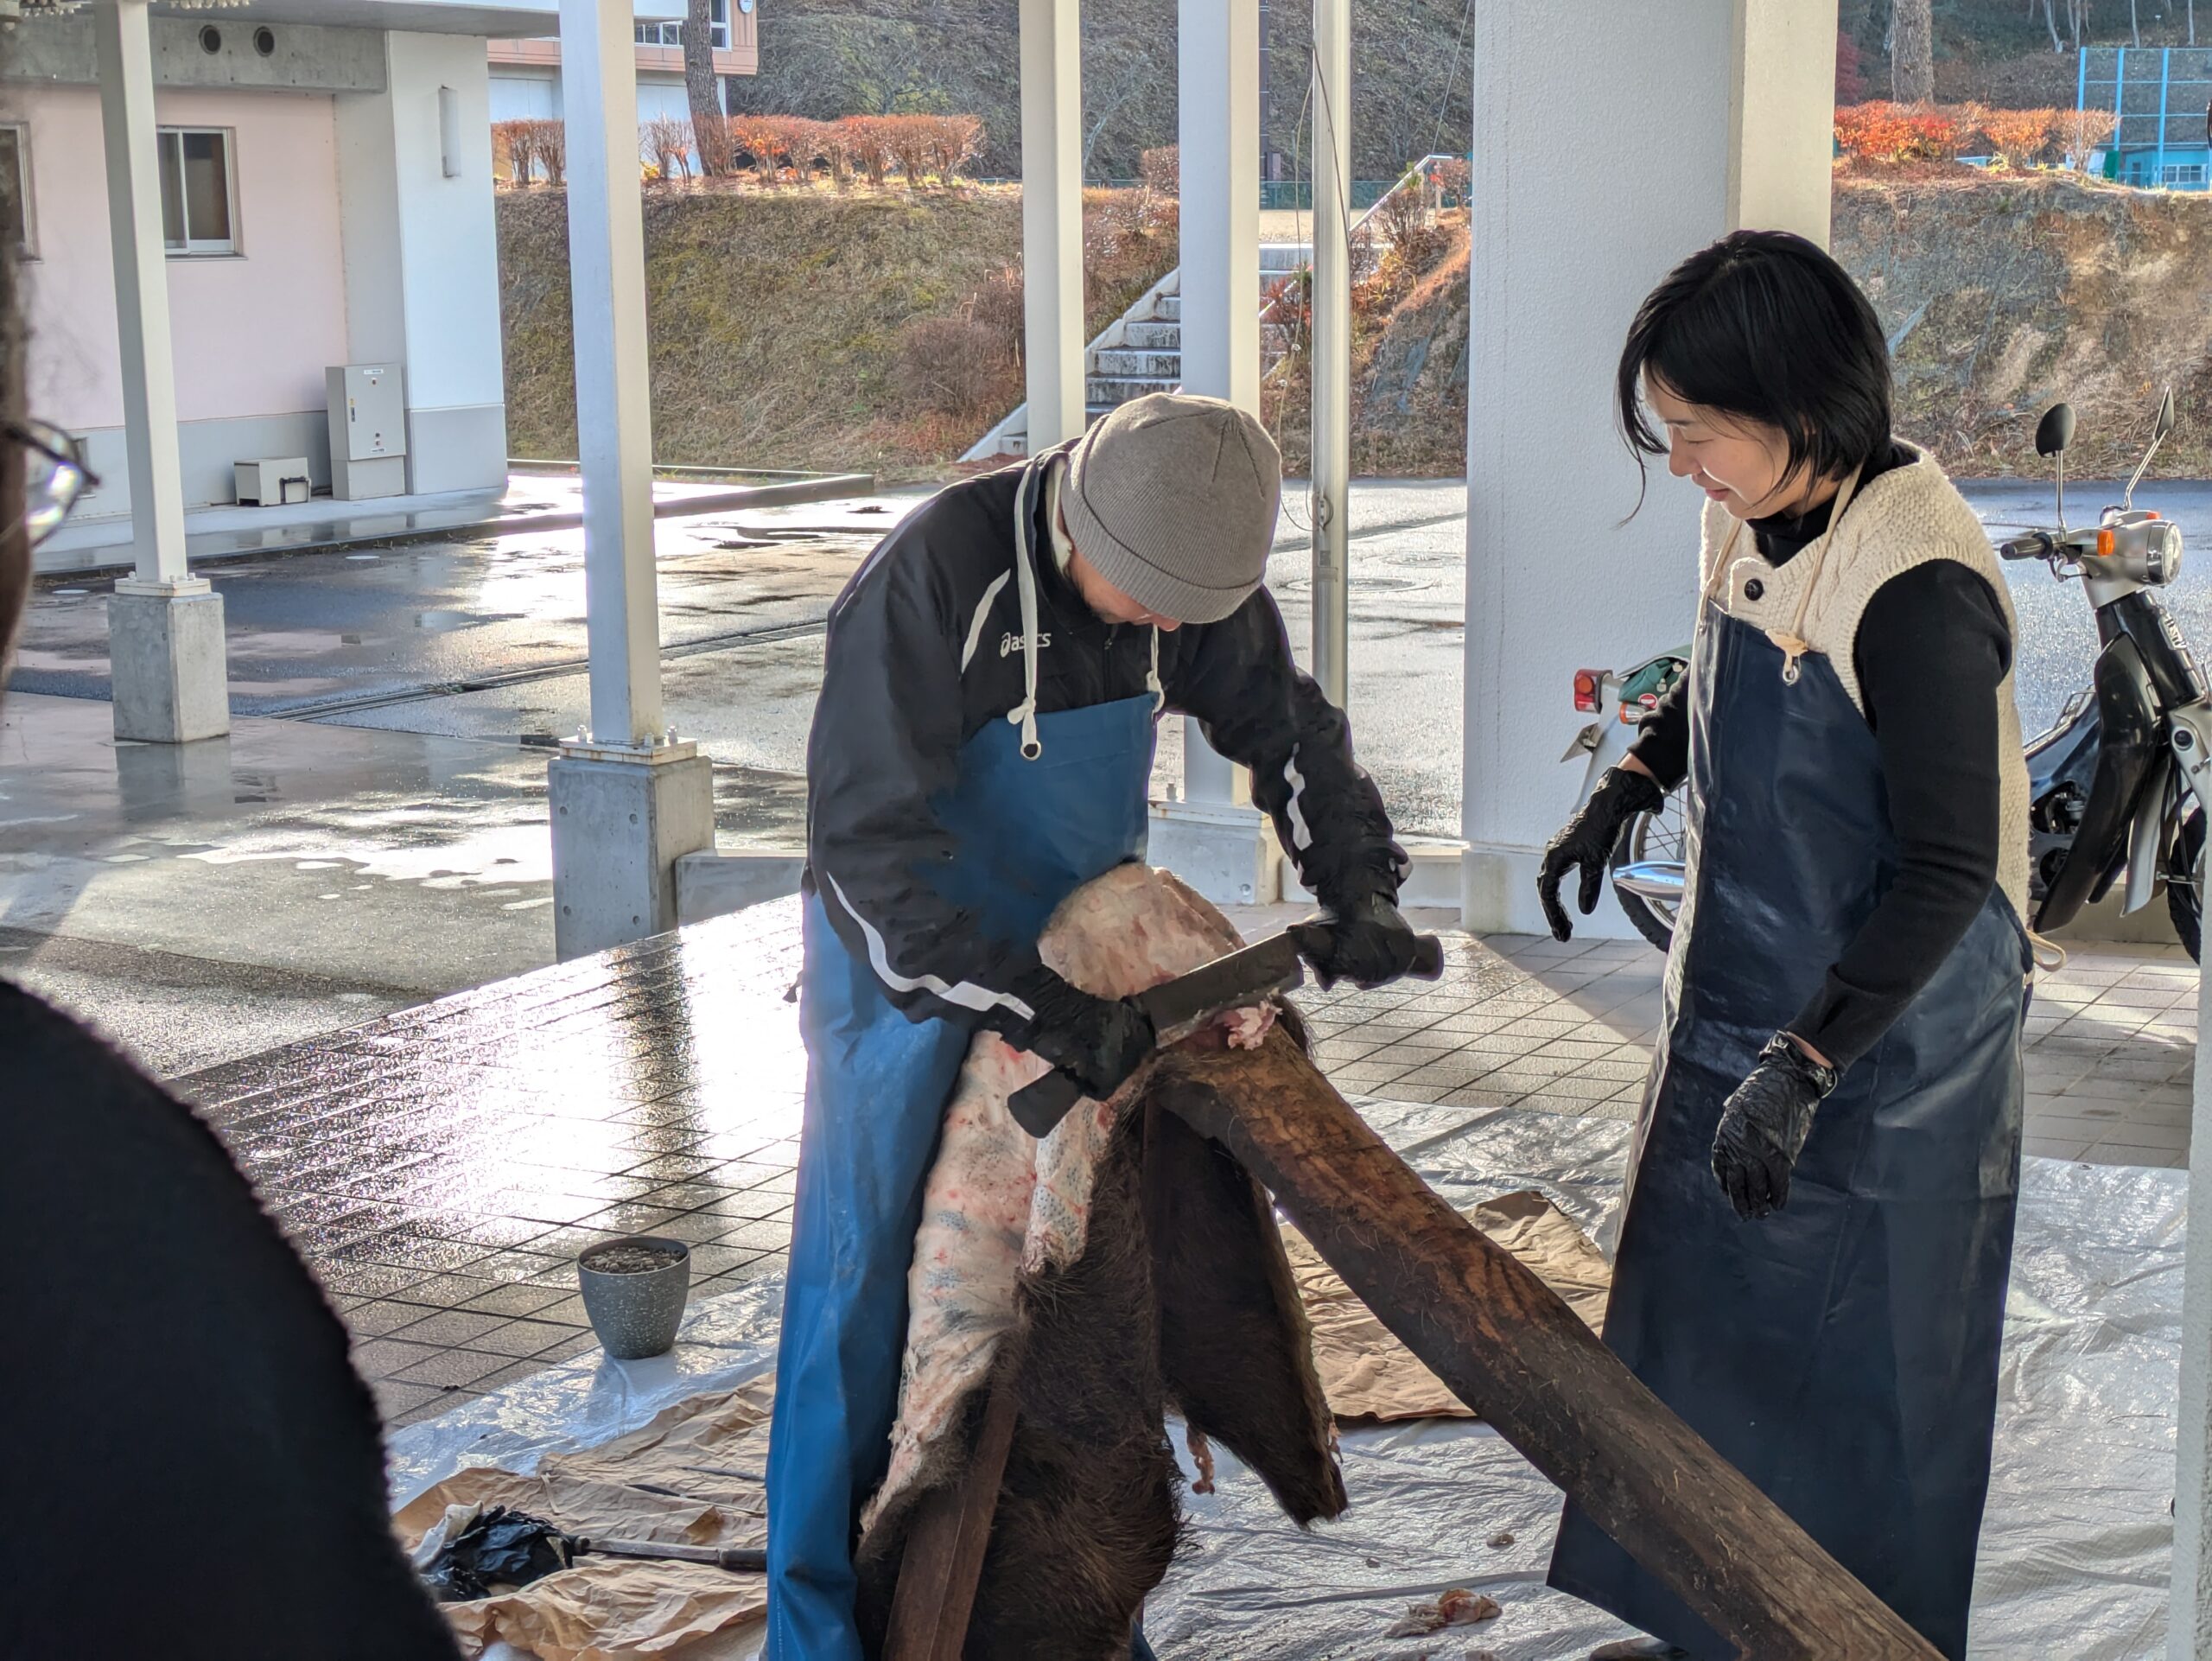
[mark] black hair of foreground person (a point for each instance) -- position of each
(1765, 326)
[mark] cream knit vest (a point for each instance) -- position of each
(1902, 518)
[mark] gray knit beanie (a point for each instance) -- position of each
(1173, 499)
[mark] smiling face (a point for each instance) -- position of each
(1741, 464)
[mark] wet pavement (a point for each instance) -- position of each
(323, 633)
(403, 853)
(211, 899)
(440, 1168)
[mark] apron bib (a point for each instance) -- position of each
(1843, 1352)
(1041, 805)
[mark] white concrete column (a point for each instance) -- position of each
(2188, 1619)
(1738, 98)
(628, 799)
(1217, 121)
(422, 254)
(1331, 363)
(614, 417)
(1051, 219)
(165, 626)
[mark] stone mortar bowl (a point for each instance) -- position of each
(636, 1313)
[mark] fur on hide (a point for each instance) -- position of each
(1179, 1294)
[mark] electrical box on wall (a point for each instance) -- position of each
(368, 430)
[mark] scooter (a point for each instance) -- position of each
(1647, 865)
(2116, 785)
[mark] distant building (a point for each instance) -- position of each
(327, 200)
(526, 73)
(2162, 97)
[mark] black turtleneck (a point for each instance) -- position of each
(1932, 651)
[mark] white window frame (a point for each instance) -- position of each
(205, 247)
(672, 34)
(22, 129)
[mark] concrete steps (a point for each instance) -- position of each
(1141, 351)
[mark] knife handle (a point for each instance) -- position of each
(1038, 1107)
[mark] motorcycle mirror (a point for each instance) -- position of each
(2161, 425)
(2056, 430)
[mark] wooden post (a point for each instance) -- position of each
(1507, 1346)
(943, 1558)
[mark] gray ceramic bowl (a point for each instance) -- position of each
(636, 1314)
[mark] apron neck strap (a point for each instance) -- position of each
(1791, 640)
(1152, 683)
(1024, 714)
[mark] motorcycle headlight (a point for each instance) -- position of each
(2161, 559)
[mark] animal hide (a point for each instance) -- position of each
(1123, 1267)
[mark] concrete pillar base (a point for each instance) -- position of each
(1227, 853)
(717, 880)
(1498, 895)
(166, 661)
(621, 819)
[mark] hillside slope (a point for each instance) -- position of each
(777, 320)
(2004, 298)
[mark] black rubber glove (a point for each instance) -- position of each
(1364, 941)
(1765, 1124)
(1098, 1042)
(1587, 841)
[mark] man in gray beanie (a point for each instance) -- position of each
(981, 747)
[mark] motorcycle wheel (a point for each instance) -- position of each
(2185, 894)
(1654, 836)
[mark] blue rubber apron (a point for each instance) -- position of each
(1042, 805)
(1842, 1353)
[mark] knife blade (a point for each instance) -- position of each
(1177, 1009)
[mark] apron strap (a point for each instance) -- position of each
(1791, 640)
(1151, 676)
(1024, 714)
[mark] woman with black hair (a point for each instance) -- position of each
(1819, 1224)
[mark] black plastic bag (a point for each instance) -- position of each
(498, 1552)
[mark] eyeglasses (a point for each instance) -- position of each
(54, 476)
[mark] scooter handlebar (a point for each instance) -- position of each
(2037, 544)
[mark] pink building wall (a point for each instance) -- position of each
(253, 331)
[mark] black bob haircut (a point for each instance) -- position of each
(1766, 326)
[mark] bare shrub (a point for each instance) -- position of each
(711, 132)
(954, 141)
(548, 141)
(517, 140)
(1161, 169)
(909, 138)
(998, 308)
(867, 143)
(954, 366)
(2020, 137)
(762, 137)
(2084, 131)
(665, 142)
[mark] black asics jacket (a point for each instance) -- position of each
(925, 649)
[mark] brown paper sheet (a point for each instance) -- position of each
(613, 1609)
(1367, 1375)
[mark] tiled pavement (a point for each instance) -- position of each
(441, 1168)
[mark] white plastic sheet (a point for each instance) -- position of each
(2076, 1544)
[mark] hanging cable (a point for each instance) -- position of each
(1451, 75)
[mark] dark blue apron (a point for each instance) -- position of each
(1027, 831)
(1842, 1353)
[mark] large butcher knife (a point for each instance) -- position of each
(1182, 1006)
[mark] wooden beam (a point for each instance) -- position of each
(944, 1548)
(1507, 1346)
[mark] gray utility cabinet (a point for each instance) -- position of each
(368, 430)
